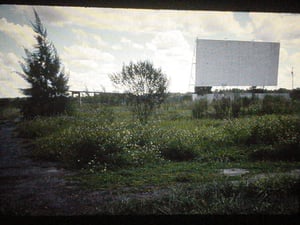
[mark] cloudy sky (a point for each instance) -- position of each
(95, 42)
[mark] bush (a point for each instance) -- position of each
(247, 101)
(277, 138)
(222, 108)
(199, 109)
(177, 145)
(236, 107)
(95, 146)
(295, 94)
(43, 126)
(289, 152)
(48, 107)
(273, 129)
(270, 137)
(254, 108)
(276, 105)
(238, 130)
(80, 147)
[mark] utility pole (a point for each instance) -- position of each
(292, 73)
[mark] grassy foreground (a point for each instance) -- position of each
(177, 156)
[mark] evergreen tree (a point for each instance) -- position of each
(42, 69)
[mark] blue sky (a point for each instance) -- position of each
(95, 42)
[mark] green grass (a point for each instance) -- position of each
(171, 173)
(270, 196)
(110, 135)
(172, 152)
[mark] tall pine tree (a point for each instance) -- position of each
(42, 69)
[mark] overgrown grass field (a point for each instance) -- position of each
(178, 151)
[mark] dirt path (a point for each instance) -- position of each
(37, 188)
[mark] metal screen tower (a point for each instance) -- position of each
(192, 76)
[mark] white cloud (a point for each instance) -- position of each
(125, 41)
(193, 23)
(164, 36)
(10, 81)
(85, 52)
(283, 28)
(23, 35)
(53, 15)
(129, 43)
(208, 24)
(171, 50)
(117, 47)
(87, 66)
(275, 27)
(84, 37)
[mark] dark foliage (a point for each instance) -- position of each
(199, 109)
(276, 105)
(46, 106)
(203, 90)
(222, 108)
(43, 71)
(295, 94)
(236, 107)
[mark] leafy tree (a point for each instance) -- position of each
(42, 69)
(145, 85)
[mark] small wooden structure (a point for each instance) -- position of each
(79, 94)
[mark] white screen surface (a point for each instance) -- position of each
(236, 63)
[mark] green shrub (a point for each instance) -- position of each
(238, 130)
(31, 108)
(273, 129)
(222, 108)
(43, 126)
(276, 105)
(100, 113)
(91, 145)
(106, 114)
(247, 101)
(295, 94)
(80, 146)
(236, 107)
(254, 108)
(290, 152)
(199, 109)
(176, 115)
(177, 145)
(276, 137)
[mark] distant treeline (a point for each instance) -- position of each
(295, 93)
(120, 98)
(256, 90)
